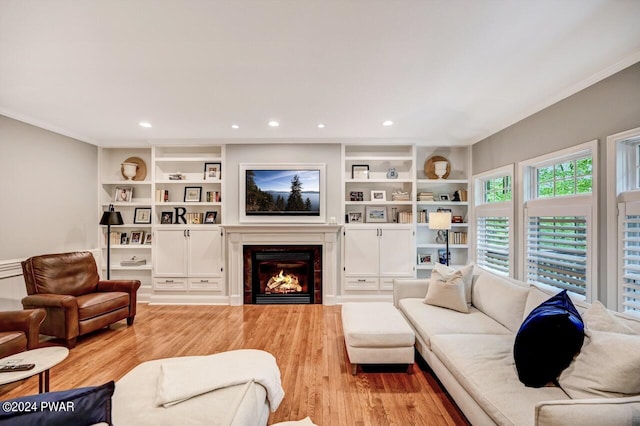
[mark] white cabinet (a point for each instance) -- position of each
(188, 259)
(375, 255)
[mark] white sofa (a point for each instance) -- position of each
(472, 356)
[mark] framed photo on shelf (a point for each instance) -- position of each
(355, 217)
(137, 237)
(166, 218)
(192, 194)
(212, 171)
(147, 238)
(378, 195)
(356, 196)
(444, 197)
(123, 194)
(142, 215)
(123, 239)
(210, 217)
(375, 214)
(360, 171)
(425, 259)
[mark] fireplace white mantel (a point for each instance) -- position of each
(277, 234)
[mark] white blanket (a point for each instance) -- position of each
(183, 379)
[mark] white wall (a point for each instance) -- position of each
(48, 184)
(329, 154)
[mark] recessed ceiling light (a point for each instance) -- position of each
(387, 123)
(144, 124)
(320, 126)
(235, 126)
(274, 123)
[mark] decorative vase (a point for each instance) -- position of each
(129, 170)
(440, 168)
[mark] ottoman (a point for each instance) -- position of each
(377, 333)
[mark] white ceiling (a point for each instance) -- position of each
(445, 71)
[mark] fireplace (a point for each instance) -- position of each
(283, 274)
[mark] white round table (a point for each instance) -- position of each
(43, 358)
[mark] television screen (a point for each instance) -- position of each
(294, 192)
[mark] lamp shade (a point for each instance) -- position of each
(439, 220)
(111, 218)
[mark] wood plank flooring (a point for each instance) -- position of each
(306, 340)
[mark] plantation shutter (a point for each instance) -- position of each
(558, 247)
(629, 255)
(492, 244)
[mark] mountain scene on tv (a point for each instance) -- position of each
(282, 192)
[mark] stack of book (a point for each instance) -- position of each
(457, 238)
(194, 218)
(134, 261)
(425, 196)
(177, 176)
(400, 196)
(422, 216)
(405, 217)
(162, 195)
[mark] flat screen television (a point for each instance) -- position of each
(282, 193)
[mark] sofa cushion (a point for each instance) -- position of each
(430, 320)
(95, 304)
(375, 325)
(608, 365)
(82, 406)
(598, 318)
(447, 292)
(547, 341)
(484, 367)
(500, 298)
(445, 272)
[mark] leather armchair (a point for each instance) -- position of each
(77, 302)
(20, 330)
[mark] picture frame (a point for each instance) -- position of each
(355, 217)
(444, 197)
(192, 194)
(378, 195)
(212, 171)
(375, 214)
(210, 217)
(137, 237)
(142, 215)
(147, 238)
(425, 259)
(356, 196)
(123, 239)
(360, 171)
(166, 218)
(123, 194)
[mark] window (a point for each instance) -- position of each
(494, 221)
(559, 220)
(629, 243)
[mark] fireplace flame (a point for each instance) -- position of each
(282, 283)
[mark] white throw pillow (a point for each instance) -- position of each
(447, 293)
(598, 318)
(445, 272)
(607, 365)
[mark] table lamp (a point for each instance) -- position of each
(109, 218)
(441, 220)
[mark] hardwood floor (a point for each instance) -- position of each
(306, 340)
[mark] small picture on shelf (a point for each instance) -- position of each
(147, 238)
(360, 171)
(355, 217)
(123, 239)
(210, 217)
(444, 197)
(212, 171)
(442, 257)
(376, 214)
(137, 237)
(142, 215)
(425, 259)
(166, 218)
(356, 196)
(123, 194)
(377, 195)
(192, 194)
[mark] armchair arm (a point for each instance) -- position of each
(405, 289)
(588, 412)
(127, 286)
(27, 321)
(47, 300)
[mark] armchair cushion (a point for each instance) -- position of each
(74, 274)
(95, 304)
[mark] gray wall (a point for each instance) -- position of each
(605, 108)
(49, 192)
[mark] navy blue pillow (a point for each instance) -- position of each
(548, 340)
(78, 407)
